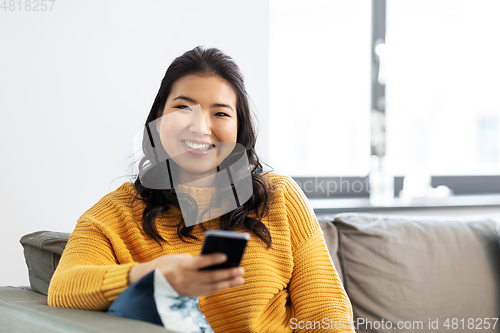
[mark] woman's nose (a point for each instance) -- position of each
(200, 122)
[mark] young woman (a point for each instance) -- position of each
(286, 278)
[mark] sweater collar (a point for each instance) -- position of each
(202, 195)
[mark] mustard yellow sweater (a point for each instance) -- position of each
(292, 285)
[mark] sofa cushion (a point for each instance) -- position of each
(426, 270)
(42, 251)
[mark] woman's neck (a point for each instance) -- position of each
(198, 180)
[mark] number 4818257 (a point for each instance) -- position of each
(27, 5)
(470, 323)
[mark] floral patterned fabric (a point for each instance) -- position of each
(154, 300)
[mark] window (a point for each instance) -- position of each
(319, 78)
(442, 86)
(440, 79)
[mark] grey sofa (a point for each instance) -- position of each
(419, 274)
(402, 274)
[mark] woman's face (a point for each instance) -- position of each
(198, 126)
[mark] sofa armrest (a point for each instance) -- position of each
(42, 251)
(23, 310)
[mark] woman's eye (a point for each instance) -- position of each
(221, 114)
(183, 107)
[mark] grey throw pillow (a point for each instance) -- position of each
(429, 274)
(42, 251)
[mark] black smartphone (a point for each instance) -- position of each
(231, 243)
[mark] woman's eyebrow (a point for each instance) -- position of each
(222, 105)
(190, 100)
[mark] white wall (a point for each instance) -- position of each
(77, 83)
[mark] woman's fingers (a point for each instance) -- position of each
(209, 289)
(184, 274)
(207, 260)
(218, 275)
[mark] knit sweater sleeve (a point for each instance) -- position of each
(89, 275)
(316, 291)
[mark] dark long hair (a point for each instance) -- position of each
(206, 62)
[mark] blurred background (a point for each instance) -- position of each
(332, 83)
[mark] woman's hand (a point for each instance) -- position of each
(182, 272)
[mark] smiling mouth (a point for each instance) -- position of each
(197, 146)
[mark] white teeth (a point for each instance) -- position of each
(197, 146)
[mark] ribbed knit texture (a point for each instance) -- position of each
(295, 278)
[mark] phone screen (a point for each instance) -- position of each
(231, 243)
